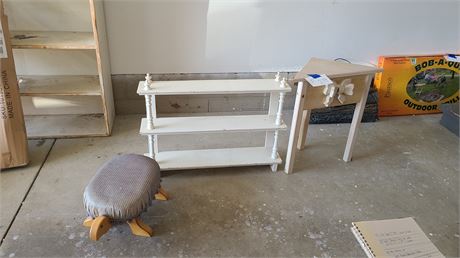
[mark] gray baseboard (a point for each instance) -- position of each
(128, 102)
(450, 117)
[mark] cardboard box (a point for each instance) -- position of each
(416, 84)
(13, 138)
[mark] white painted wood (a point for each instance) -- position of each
(316, 98)
(184, 125)
(148, 81)
(209, 124)
(334, 69)
(211, 158)
(151, 145)
(153, 110)
(64, 126)
(148, 109)
(354, 87)
(211, 87)
(272, 108)
(357, 117)
(277, 122)
(295, 127)
(275, 145)
(153, 106)
(59, 85)
(52, 40)
(279, 112)
(302, 142)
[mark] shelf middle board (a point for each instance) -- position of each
(207, 124)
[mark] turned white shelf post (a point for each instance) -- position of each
(148, 102)
(149, 113)
(151, 146)
(279, 113)
(278, 120)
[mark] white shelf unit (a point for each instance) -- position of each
(270, 123)
(62, 61)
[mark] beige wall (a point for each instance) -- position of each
(213, 36)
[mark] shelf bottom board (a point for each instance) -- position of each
(214, 158)
(65, 126)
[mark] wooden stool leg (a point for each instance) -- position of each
(88, 222)
(139, 228)
(161, 195)
(99, 227)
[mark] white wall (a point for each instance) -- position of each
(54, 15)
(65, 15)
(209, 36)
(267, 35)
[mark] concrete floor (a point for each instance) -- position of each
(403, 166)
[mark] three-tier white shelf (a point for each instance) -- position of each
(270, 123)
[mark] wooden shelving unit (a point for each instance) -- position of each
(270, 123)
(63, 104)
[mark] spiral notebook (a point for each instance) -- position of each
(394, 238)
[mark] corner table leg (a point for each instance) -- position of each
(302, 142)
(357, 117)
(295, 127)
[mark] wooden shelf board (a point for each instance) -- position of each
(59, 85)
(212, 87)
(65, 126)
(52, 40)
(212, 158)
(209, 124)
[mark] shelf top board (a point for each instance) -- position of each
(334, 69)
(62, 85)
(208, 124)
(211, 87)
(52, 40)
(212, 158)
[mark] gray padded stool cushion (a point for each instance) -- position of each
(123, 187)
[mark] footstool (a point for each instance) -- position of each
(121, 190)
